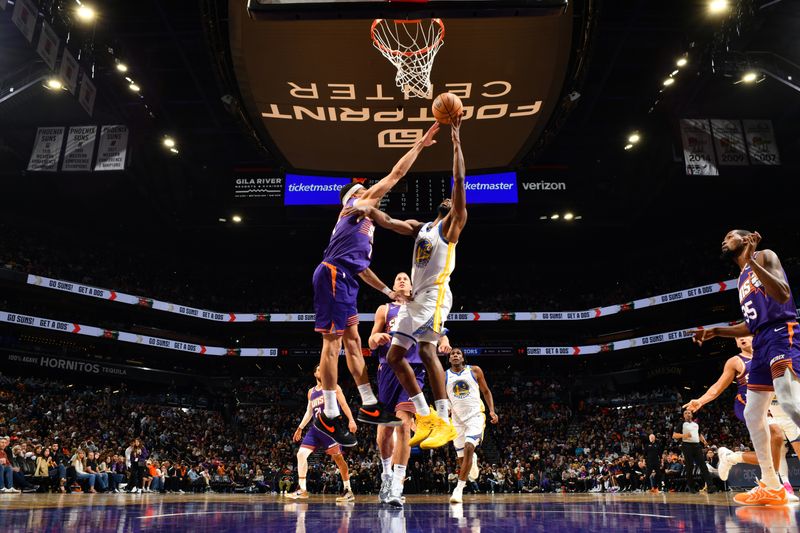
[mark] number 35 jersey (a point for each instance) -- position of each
(758, 307)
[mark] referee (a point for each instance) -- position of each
(693, 453)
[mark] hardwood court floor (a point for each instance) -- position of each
(482, 513)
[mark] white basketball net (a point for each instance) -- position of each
(410, 46)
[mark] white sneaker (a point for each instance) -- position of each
(12, 490)
(4, 490)
(386, 488)
(395, 500)
(725, 463)
(456, 497)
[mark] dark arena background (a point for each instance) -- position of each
(169, 180)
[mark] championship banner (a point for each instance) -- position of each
(46, 150)
(698, 152)
(729, 142)
(618, 345)
(48, 45)
(761, 142)
(113, 148)
(87, 94)
(123, 336)
(218, 316)
(24, 16)
(68, 72)
(80, 148)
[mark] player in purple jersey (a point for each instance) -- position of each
(315, 439)
(770, 316)
(348, 257)
(393, 442)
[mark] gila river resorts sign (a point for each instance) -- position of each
(326, 99)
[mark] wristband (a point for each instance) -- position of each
(386, 290)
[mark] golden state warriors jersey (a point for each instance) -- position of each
(464, 394)
(434, 259)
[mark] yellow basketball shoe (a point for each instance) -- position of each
(442, 433)
(425, 425)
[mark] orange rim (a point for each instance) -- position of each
(400, 52)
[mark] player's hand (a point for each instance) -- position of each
(444, 346)
(298, 433)
(359, 211)
(428, 138)
(382, 339)
(751, 243)
(352, 427)
(493, 417)
(693, 405)
(399, 297)
(455, 128)
(701, 335)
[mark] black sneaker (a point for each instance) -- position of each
(375, 413)
(336, 429)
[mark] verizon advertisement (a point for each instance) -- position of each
(326, 98)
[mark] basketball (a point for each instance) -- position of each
(446, 107)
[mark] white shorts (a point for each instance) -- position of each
(422, 320)
(778, 417)
(470, 431)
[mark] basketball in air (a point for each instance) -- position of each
(446, 107)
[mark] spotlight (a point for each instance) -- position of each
(568, 216)
(749, 77)
(673, 73)
(54, 84)
(681, 62)
(169, 142)
(668, 82)
(718, 6)
(174, 150)
(628, 146)
(135, 88)
(554, 216)
(634, 138)
(543, 217)
(578, 217)
(222, 219)
(122, 67)
(236, 218)
(86, 13)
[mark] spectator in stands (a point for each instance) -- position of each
(135, 460)
(78, 463)
(6, 471)
(104, 468)
(101, 478)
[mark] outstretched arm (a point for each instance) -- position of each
(379, 337)
(373, 195)
(303, 423)
(729, 371)
(703, 334)
(455, 220)
(487, 394)
(371, 279)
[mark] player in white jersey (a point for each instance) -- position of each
(465, 384)
(422, 320)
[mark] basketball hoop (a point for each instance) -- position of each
(410, 46)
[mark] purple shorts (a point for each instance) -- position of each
(774, 353)
(738, 407)
(391, 393)
(335, 293)
(316, 439)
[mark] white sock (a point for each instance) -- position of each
(442, 409)
(736, 458)
(367, 397)
(460, 485)
(387, 466)
(398, 479)
(420, 404)
(331, 404)
(302, 481)
(346, 484)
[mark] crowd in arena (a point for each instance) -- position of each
(103, 438)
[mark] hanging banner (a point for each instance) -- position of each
(647, 340)
(729, 142)
(46, 149)
(761, 142)
(49, 44)
(24, 16)
(69, 71)
(123, 336)
(80, 148)
(112, 148)
(698, 152)
(218, 316)
(87, 93)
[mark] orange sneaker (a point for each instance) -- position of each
(761, 495)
